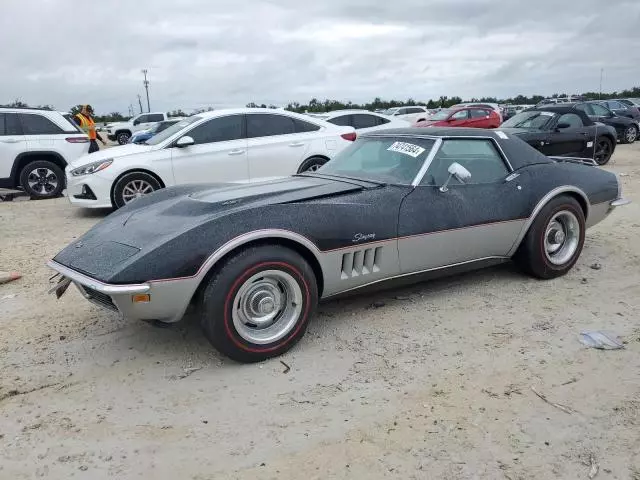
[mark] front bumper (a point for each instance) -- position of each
(168, 300)
(90, 191)
(111, 137)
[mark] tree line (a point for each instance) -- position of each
(315, 105)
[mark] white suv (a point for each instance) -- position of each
(35, 147)
(121, 132)
(411, 114)
(235, 145)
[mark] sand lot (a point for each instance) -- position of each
(434, 382)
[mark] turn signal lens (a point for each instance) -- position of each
(141, 298)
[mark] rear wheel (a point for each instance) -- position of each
(133, 185)
(604, 150)
(554, 240)
(42, 179)
(630, 134)
(258, 304)
(312, 164)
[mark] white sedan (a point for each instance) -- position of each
(234, 145)
(362, 120)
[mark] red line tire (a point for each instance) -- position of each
(555, 239)
(257, 305)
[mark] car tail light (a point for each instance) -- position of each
(77, 139)
(351, 136)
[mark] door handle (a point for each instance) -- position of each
(10, 140)
(296, 144)
(236, 152)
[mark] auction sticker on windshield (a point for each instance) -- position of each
(406, 148)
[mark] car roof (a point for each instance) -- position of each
(231, 111)
(347, 112)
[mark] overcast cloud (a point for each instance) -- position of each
(228, 53)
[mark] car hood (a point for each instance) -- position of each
(113, 152)
(171, 215)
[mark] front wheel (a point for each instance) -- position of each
(123, 137)
(554, 240)
(42, 179)
(604, 150)
(258, 304)
(630, 134)
(133, 185)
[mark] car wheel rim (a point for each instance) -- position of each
(267, 307)
(42, 181)
(603, 152)
(313, 168)
(136, 189)
(631, 135)
(562, 237)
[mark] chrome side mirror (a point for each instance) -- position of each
(458, 171)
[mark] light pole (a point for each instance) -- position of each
(600, 95)
(146, 86)
(140, 102)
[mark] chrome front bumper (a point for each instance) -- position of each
(168, 300)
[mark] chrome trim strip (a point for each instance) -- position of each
(620, 202)
(546, 199)
(105, 288)
(427, 162)
(475, 260)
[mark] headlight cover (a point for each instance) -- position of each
(91, 167)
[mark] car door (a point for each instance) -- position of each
(569, 137)
(477, 220)
(12, 144)
(276, 147)
(218, 155)
(140, 123)
(619, 109)
(478, 118)
(459, 119)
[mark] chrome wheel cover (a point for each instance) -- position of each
(313, 168)
(42, 181)
(136, 189)
(631, 134)
(561, 237)
(267, 307)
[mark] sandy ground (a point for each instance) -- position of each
(434, 384)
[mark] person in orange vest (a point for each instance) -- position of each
(84, 119)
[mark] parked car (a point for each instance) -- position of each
(626, 128)
(35, 147)
(563, 131)
(144, 135)
(397, 205)
(362, 120)
(509, 111)
(558, 100)
(633, 102)
(493, 106)
(622, 109)
(410, 114)
(121, 131)
(220, 146)
(474, 117)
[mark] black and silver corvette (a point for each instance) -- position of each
(256, 258)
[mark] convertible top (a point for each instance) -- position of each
(563, 108)
(518, 152)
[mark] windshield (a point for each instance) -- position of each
(441, 115)
(172, 130)
(390, 111)
(535, 120)
(383, 160)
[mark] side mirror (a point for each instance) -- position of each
(185, 141)
(458, 171)
(136, 121)
(563, 125)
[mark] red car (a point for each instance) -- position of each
(474, 117)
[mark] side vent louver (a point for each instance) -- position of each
(360, 262)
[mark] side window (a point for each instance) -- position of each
(615, 105)
(586, 108)
(141, 119)
(477, 113)
(382, 120)
(2, 125)
(302, 126)
(218, 130)
(265, 125)
(12, 124)
(599, 110)
(573, 120)
(480, 157)
(403, 111)
(33, 124)
(343, 121)
(155, 117)
(362, 120)
(461, 115)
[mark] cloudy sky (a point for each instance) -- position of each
(228, 53)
